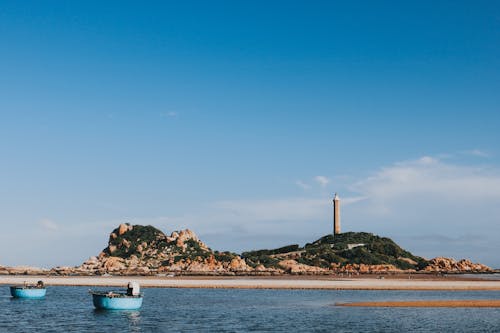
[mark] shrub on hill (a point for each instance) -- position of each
(133, 238)
(346, 248)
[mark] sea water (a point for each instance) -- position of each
(70, 309)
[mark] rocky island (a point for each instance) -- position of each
(146, 250)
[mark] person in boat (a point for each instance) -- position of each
(133, 289)
(38, 285)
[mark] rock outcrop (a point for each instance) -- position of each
(23, 270)
(449, 265)
(292, 266)
(368, 269)
(144, 250)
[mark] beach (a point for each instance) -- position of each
(299, 282)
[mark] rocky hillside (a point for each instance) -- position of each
(145, 250)
(353, 252)
(349, 251)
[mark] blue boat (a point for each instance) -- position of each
(131, 299)
(32, 291)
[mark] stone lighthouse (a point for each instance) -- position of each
(336, 215)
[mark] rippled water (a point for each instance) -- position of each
(70, 309)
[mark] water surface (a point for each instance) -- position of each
(70, 309)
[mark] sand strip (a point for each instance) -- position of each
(255, 283)
(430, 304)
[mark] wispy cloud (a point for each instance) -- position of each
(170, 114)
(285, 209)
(302, 185)
(477, 153)
(459, 240)
(48, 224)
(432, 177)
(322, 180)
(352, 200)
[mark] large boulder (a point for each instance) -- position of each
(237, 264)
(123, 228)
(114, 264)
(292, 266)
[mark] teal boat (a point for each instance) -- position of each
(31, 291)
(131, 299)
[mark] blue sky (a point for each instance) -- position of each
(240, 119)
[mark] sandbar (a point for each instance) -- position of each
(258, 282)
(430, 304)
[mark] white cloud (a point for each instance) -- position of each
(352, 200)
(273, 209)
(48, 224)
(477, 153)
(170, 114)
(302, 185)
(432, 177)
(322, 180)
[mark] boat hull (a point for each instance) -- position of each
(33, 293)
(104, 302)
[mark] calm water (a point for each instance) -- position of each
(69, 309)
(495, 276)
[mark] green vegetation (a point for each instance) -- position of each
(284, 249)
(265, 257)
(266, 260)
(126, 244)
(224, 256)
(193, 252)
(346, 248)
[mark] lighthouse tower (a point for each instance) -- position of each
(336, 215)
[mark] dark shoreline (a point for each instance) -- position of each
(449, 276)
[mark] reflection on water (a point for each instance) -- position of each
(132, 317)
(70, 309)
(26, 300)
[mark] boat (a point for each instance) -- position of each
(131, 299)
(32, 291)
